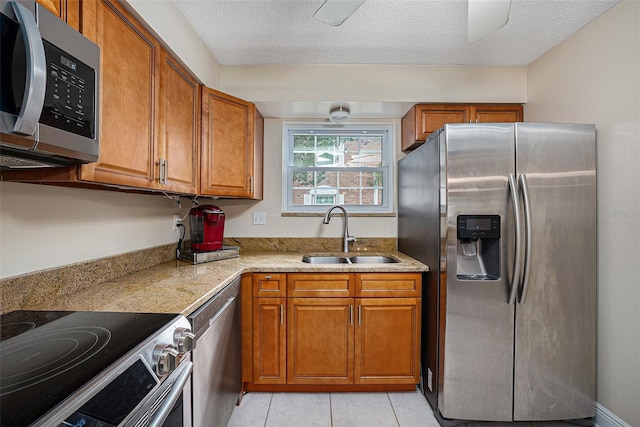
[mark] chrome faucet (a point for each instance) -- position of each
(345, 226)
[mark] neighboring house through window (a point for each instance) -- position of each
(347, 165)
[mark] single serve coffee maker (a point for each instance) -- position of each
(206, 225)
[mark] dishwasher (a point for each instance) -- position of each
(216, 382)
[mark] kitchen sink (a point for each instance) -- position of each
(372, 259)
(359, 259)
(311, 259)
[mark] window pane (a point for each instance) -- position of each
(353, 188)
(304, 159)
(303, 142)
(348, 165)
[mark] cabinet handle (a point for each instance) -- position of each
(162, 171)
(359, 315)
(166, 172)
(267, 277)
(250, 184)
(351, 314)
(282, 314)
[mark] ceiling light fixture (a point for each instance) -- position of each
(339, 114)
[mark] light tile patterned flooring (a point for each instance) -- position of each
(403, 409)
(392, 409)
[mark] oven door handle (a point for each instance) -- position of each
(165, 409)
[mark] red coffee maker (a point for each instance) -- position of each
(207, 228)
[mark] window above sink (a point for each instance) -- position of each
(349, 165)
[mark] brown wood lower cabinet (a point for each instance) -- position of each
(269, 341)
(387, 340)
(366, 336)
(320, 341)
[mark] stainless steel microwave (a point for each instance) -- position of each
(49, 86)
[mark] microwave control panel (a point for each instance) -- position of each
(69, 102)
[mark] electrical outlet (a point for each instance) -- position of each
(260, 218)
(175, 221)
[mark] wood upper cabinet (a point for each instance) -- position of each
(179, 127)
(424, 119)
(231, 146)
(149, 110)
(128, 90)
(496, 113)
(67, 10)
(320, 340)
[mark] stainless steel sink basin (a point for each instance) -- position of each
(372, 259)
(359, 259)
(325, 259)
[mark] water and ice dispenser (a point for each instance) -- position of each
(478, 248)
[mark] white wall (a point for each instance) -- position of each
(594, 77)
(43, 227)
(379, 83)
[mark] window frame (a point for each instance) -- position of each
(385, 130)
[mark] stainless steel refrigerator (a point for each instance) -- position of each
(505, 217)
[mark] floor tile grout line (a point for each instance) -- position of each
(393, 410)
(268, 410)
(331, 409)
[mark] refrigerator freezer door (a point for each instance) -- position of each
(555, 326)
(477, 376)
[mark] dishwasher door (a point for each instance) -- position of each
(217, 371)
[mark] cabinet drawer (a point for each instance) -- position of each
(320, 285)
(269, 285)
(388, 285)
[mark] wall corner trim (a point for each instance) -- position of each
(606, 418)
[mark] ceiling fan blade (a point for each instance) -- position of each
(335, 12)
(486, 16)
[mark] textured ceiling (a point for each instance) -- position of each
(416, 32)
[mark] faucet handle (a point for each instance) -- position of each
(351, 239)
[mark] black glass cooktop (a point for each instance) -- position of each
(45, 356)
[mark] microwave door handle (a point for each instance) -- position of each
(36, 78)
(513, 189)
(527, 256)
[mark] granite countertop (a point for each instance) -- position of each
(180, 287)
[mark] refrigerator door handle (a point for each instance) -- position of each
(522, 179)
(516, 264)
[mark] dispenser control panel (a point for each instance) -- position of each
(474, 227)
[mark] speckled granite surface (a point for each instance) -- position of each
(171, 286)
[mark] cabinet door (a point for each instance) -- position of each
(320, 340)
(269, 341)
(423, 119)
(128, 88)
(179, 129)
(227, 145)
(387, 341)
(496, 113)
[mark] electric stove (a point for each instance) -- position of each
(93, 367)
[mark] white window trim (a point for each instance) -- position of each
(388, 159)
